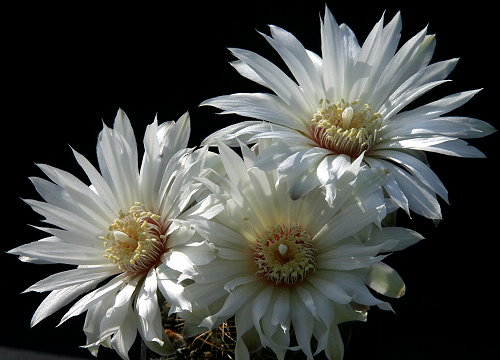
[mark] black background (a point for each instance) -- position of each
(68, 68)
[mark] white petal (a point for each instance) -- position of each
(94, 297)
(391, 186)
(333, 56)
(398, 69)
(271, 156)
(335, 345)
(199, 253)
(259, 308)
(452, 147)
(241, 351)
(219, 270)
(148, 310)
(451, 126)
(290, 136)
(99, 184)
(275, 79)
(354, 286)
(438, 107)
(59, 298)
(238, 281)
(230, 254)
(235, 167)
(123, 127)
(303, 324)
(118, 321)
(385, 280)
(220, 234)
(259, 106)
(63, 218)
(417, 168)
(125, 337)
(73, 237)
(296, 58)
(330, 290)
(232, 304)
(92, 324)
(462, 127)
(332, 167)
(206, 209)
(74, 277)
(170, 289)
(178, 261)
(203, 295)
(175, 137)
(246, 71)
(393, 238)
(60, 252)
(429, 74)
(420, 199)
(396, 104)
(119, 166)
(295, 169)
(73, 195)
(377, 50)
(347, 223)
(281, 313)
(241, 131)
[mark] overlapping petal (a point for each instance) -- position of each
(349, 246)
(158, 196)
(375, 73)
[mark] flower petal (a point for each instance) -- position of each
(54, 250)
(59, 298)
(393, 238)
(303, 324)
(385, 280)
(330, 290)
(417, 168)
(275, 79)
(74, 277)
(259, 106)
(148, 312)
(94, 297)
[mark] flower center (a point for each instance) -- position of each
(345, 128)
(135, 241)
(285, 254)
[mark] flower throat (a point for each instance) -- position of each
(345, 128)
(284, 255)
(135, 241)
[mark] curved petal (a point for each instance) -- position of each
(385, 280)
(56, 251)
(259, 106)
(417, 168)
(59, 298)
(275, 79)
(74, 277)
(148, 312)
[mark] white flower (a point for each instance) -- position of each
(287, 264)
(350, 103)
(125, 225)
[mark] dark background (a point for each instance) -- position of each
(68, 68)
